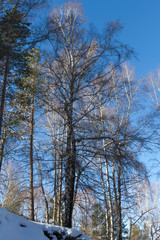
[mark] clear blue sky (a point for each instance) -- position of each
(141, 26)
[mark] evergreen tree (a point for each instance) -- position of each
(14, 31)
(98, 222)
(27, 101)
(139, 233)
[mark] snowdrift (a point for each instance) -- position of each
(13, 227)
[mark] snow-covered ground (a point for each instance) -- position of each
(13, 227)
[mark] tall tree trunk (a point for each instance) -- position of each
(31, 161)
(60, 193)
(119, 203)
(69, 170)
(60, 219)
(55, 187)
(59, 180)
(3, 102)
(110, 200)
(105, 200)
(110, 203)
(43, 190)
(45, 199)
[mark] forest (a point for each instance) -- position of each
(75, 122)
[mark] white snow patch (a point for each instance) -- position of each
(13, 227)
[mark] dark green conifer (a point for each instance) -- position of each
(14, 31)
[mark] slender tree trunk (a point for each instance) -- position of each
(31, 161)
(2, 146)
(43, 191)
(105, 200)
(59, 180)
(130, 230)
(110, 204)
(55, 187)
(61, 177)
(119, 204)
(56, 176)
(3, 102)
(60, 193)
(110, 200)
(60, 219)
(46, 201)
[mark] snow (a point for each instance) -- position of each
(13, 227)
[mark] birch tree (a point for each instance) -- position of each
(117, 149)
(75, 63)
(148, 208)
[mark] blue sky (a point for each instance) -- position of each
(141, 27)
